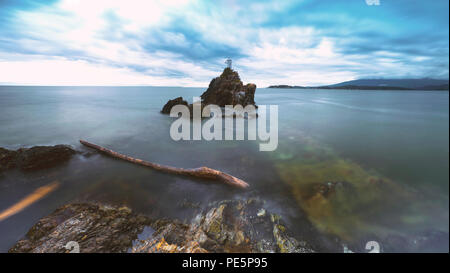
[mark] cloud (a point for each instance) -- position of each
(185, 42)
(60, 71)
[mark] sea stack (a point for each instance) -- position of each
(227, 89)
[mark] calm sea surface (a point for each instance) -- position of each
(356, 164)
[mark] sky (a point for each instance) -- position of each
(186, 42)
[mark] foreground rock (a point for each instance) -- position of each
(227, 89)
(227, 226)
(96, 228)
(35, 158)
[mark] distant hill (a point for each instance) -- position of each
(381, 84)
(403, 83)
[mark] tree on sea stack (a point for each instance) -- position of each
(228, 62)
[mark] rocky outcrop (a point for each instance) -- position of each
(96, 228)
(171, 103)
(35, 158)
(227, 89)
(243, 226)
(226, 226)
(7, 159)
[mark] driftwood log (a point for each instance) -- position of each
(202, 172)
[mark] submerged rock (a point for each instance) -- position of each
(35, 158)
(425, 241)
(227, 89)
(328, 189)
(226, 226)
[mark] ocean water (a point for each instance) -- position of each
(356, 165)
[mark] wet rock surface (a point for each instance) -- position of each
(227, 89)
(7, 159)
(227, 226)
(96, 228)
(35, 158)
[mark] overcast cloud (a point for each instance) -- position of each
(185, 43)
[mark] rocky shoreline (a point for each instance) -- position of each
(225, 226)
(238, 225)
(228, 226)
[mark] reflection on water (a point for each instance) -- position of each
(358, 163)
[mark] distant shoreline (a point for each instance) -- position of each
(426, 84)
(354, 87)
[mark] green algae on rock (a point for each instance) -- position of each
(340, 196)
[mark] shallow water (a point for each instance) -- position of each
(387, 150)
